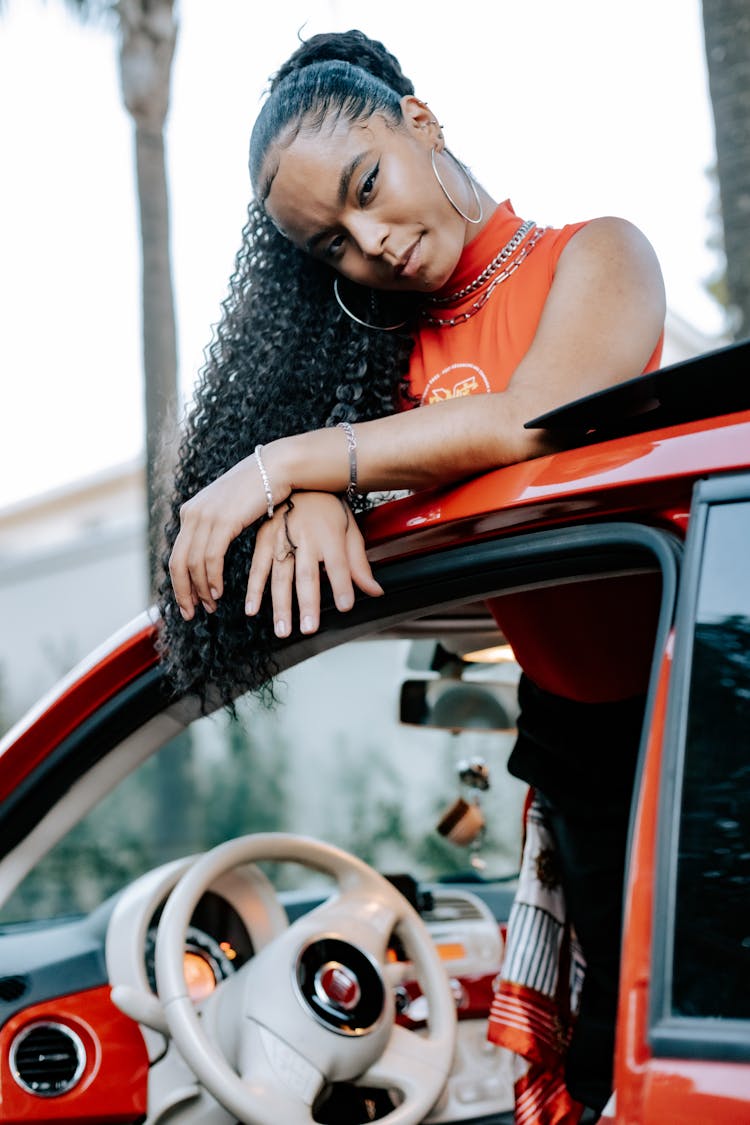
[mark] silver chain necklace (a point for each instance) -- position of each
(488, 271)
(451, 322)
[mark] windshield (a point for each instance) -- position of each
(331, 760)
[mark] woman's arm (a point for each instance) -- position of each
(600, 324)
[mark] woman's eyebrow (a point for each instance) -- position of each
(344, 181)
(346, 177)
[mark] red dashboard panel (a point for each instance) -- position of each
(112, 1089)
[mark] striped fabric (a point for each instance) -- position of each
(533, 954)
(533, 1010)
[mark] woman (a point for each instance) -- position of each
(376, 276)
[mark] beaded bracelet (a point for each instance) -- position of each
(352, 492)
(266, 481)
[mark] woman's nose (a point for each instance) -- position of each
(370, 236)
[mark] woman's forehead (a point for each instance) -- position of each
(314, 168)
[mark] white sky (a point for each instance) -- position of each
(572, 109)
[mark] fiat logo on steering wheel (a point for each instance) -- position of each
(337, 987)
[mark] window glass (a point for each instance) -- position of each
(331, 760)
(712, 918)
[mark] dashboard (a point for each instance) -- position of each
(89, 983)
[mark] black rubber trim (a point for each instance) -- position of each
(469, 573)
(673, 1036)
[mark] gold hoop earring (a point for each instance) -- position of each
(356, 319)
(447, 194)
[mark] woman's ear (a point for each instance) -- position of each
(419, 117)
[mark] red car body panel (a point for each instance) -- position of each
(116, 1061)
(652, 472)
(677, 1090)
(30, 743)
(633, 1056)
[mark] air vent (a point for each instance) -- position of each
(12, 988)
(47, 1059)
(452, 908)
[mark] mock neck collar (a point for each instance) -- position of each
(478, 253)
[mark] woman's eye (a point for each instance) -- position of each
(333, 249)
(369, 184)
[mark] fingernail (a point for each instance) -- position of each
(249, 606)
(306, 625)
(214, 593)
(281, 628)
(207, 607)
(185, 614)
(345, 603)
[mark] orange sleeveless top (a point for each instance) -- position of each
(478, 355)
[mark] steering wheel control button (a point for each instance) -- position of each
(340, 985)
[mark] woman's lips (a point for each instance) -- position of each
(409, 266)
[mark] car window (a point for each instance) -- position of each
(712, 921)
(331, 760)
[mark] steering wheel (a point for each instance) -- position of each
(312, 1007)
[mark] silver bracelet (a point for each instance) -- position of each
(266, 481)
(352, 492)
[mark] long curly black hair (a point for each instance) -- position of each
(284, 358)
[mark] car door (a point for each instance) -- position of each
(694, 1065)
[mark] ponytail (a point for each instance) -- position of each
(284, 358)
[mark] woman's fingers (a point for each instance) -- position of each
(260, 568)
(187, 568)
(307, 587)
(311, 531)
(276, 556)
(338, 573)
(209, 521)
(196, 565)
(359, 564)
(282, 582)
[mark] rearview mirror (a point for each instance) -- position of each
(457, 705)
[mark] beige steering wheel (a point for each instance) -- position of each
(312, 1007)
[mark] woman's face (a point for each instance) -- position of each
(363, 197)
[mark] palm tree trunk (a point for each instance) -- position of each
(148, 30)
(726, 25)
(159, 334)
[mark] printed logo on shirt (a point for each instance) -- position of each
(455, 381)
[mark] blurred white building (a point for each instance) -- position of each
(72, 571)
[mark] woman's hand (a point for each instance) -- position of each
(308, 529)
(209, 521)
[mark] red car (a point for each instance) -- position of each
(162, 956)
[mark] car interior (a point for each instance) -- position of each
(303, 904)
